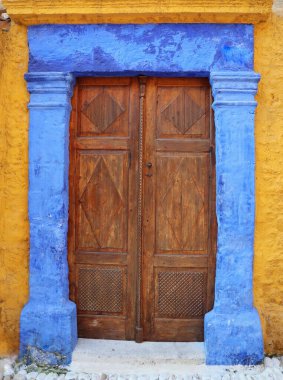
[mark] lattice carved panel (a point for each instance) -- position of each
(180, 294)
(101, 290)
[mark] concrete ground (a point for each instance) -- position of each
(124, 360)
(127, 357)
(161, 360)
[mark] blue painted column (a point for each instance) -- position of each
(232, 329)
(48, 326)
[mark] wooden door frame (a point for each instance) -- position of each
(222, 52)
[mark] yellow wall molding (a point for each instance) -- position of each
(142, 11)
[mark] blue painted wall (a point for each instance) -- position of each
(232, 329)
(48, 322)
(168, 49)
(59, 53)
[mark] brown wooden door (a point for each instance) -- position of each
(103, 206)
(179, 222)
(142, 219)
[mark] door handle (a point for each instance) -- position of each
(148, 164)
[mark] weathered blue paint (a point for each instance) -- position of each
(163, 49)
(232, 329)
(48, 321)
(60, 52)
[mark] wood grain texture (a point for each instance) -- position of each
(102, 226)
(175, 156)
(179, 209)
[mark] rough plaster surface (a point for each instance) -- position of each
(268, 287)
(268, 279)
(48, 321)
(161, 49)
(13, 185)
(218, 51)
(234, 323)
(136, 12)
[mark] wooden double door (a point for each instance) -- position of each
(142, 227)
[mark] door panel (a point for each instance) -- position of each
(167, 213)
(182, 111)
(102, 203)
(181, 202)
(103, 207)
(179, 221)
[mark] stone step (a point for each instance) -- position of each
(127, 357)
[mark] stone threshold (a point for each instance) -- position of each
(128, 357)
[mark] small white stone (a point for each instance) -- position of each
(22, 372)
(164, 376)
(41, 376)
(19, 376)
(154, 377)
(132, 377)
(61, 377)
(71, 376)
(103, 376)
(226, 377)
(51, 376)
(196, 377)
(275, 363)
(278, 375)
(95, 376)
(84, 376)
(180, 377)
(241, 376)
(31, 375)
(8, 370)
(268, 362)
(111, 377)
(267, 374)
(187, 377)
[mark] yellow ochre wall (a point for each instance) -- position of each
(268, 264)
(14, 233)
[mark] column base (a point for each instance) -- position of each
(48, 333)
(234, 338)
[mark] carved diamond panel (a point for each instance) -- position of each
(181, 294)
(102, 111)
(183, 112)
(101, 203)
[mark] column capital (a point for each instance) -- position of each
(234, 88)
(50, 89)
(42, 82)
